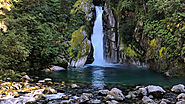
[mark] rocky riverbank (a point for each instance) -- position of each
(48, 92)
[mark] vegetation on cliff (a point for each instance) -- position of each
(154, 30)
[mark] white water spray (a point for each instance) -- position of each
(97, 38)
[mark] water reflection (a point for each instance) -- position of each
(98, 78)
(119, 74)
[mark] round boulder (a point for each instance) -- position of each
(178, 88)
(117, 94)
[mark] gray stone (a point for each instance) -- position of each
(63, 102)
(112, 102)
(181, 96)
(156, 91)
(178, 88)
(109, 97)
(103, 92)
(26, 77)
(142, 91)
(94, 101)
(147, 100)
(74, 86)
(54, 68)
(41, 81)
(150, 96)
(181, 102)
(164, 101)
(130, 95)
(117, 94)
(137, 87)
(85, 97)
(48, 79)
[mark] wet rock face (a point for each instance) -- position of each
(110, 49)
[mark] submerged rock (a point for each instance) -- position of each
(117, 94)
(178, 88)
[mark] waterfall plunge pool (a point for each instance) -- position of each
(114, 74)
(99, 73)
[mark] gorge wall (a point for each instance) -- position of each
(135, 35)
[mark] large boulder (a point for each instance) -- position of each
(156, 91)
(178, 88)
(117, 94)
(80, 48)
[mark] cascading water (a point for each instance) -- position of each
(97, 38)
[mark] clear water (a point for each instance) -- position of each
(97, 38)
(115, 74)
(100, 73)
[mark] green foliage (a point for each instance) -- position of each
(128, 51)
(37, 30)
(154, 29)
(77, 45)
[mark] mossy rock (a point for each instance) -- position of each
(80, 45)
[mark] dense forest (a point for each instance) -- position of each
(41, 31)
(36, 35)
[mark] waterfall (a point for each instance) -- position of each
(97, 38)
